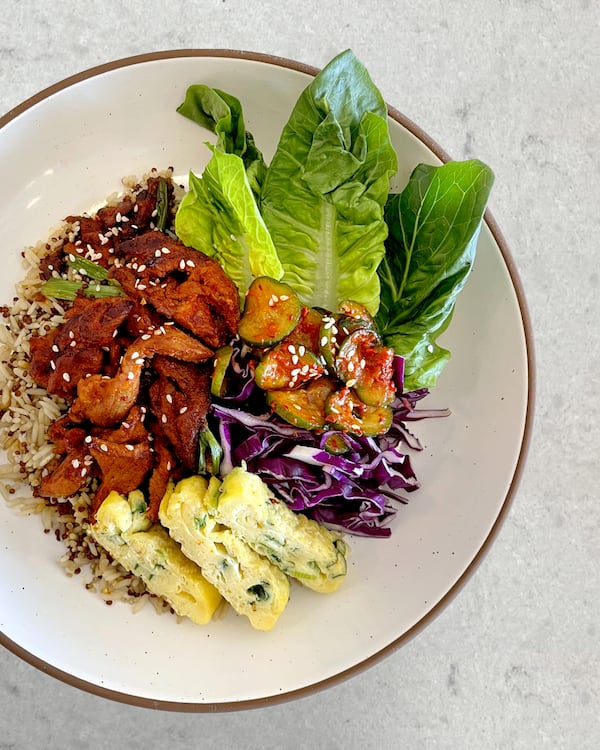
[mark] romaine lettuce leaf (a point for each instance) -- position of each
(219, 216)
(222, 114)
(434, 226)
(325, 189)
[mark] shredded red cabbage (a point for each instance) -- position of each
(359, 490)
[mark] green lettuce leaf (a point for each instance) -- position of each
(434, 226)
(326, 187)
(222, 114)
(220, 217)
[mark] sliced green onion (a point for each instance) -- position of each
(162, 206)
(88, 267)
(209, 442)
(61, 288)
(98, 291)
(68, 290)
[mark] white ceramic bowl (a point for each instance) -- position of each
(64, 150)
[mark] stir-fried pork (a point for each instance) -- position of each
(182, 284)
(135, 370)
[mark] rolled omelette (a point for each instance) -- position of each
(301, 547)
(146, 549)
(249, 582)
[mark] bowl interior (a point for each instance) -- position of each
(65, 153)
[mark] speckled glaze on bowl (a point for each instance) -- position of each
(66, 148)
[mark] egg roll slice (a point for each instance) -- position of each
(252, 585)
(301, 547)
(146, 549)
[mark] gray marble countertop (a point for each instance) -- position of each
(514, 661)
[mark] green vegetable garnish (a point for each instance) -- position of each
(162, 205)
(320, 216)
(434, 226)
(220, 217)
(335, 158)
(209, 463)
(68, 290)
(87, 267)
(222, 114)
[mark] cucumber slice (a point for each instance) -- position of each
(328, 339)
(345, 411)
(351, 358)
(306, 333)
(221, 363)
(287, 365)
(271, 312)
(358, 311)
(336, 444)
(303, 407)
(364, 364)
(376, 386)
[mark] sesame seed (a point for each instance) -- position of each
(324, 341)
(145, 336)
(66, 377)
(190, 264)
(291, 349)
(130, 376)
(157, 253)
(142, 268)
(362, 363)
(75, 463)
(301, 350)
(52, 364)
(182, 264)
(118, 216)
(284, 297)
(163, 418)
(87, 439)
(183, 410)
(169, 398)
(128, 446)
(350, 366)
(104, 447)
(295, 359)
(165, 250)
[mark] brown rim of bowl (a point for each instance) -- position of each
(467, 573)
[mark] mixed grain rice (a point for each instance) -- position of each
(27, 410)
